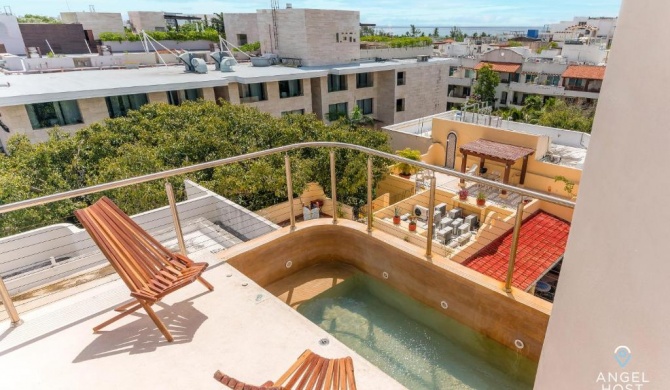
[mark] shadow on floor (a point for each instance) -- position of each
(142, 336)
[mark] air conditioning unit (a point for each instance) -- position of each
(422, 58)
(473, 220)
(464, 228)
(445, 223)
(464, 239)
(455, 213)
(454, 225)
(421, 212)
(444, 235)
(193, 64)
(34, 52)
(442, 208)
(555, 158)
(104, 50)
(437, 217)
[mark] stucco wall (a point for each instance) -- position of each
(274, 105)
(425, 91)
(10, 35)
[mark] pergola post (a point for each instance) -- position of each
(482, 161)
(464, 163)
(508, 167)
(524, 167)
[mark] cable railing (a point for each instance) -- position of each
(206, 221)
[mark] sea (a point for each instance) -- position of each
(470, 30)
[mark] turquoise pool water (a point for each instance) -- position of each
(413, 343)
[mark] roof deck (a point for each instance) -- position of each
(239, 328)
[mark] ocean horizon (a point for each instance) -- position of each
(470, 30)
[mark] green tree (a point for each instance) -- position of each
(485, 86)
(367, 31)
(436, 33)
(456, 34)
(32, 18)
(218, 25)
(160, 136)
(565, 116)
(413, 31)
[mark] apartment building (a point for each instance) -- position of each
(522, 76)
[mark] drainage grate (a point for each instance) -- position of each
(324, 341)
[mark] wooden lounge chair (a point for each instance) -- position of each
(149, 270)
(310, 371)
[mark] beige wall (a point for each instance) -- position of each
(241, 24)
(350, 95)
(612, 290)
(157, 97)
(97, 22)
(146, 20)
(425, 91)
(275, 105)
(540, 175)
(311, 35)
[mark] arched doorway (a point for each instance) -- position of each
(450, 161)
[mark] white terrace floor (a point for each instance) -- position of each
(238, 328)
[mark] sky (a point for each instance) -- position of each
(430, 13)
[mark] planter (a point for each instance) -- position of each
(405, 175)
(412, 227)
(481, 202)
(462, 197)
(396, 220)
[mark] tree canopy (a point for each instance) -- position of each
(552, 113)
(32, 18)
(160, 136)
(485, 87)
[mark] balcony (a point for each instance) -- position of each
(460, 81)
(240, 327)
(553, 90)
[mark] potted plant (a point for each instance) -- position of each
(396, 216)
(412, 224)
(406, 169)
(481, 199)
(463, 194)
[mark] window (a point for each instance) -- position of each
(52, 114)
(241, 39)
(575, 82)
(365, 105)
(530, 78)
(364, 80)
(469, 73)
(255, 92)
(120, 105)
(399, 105)
(337, 110)
(400, 80)
(452, 70)
(337, 83)
(178, 97)
(294, 112)
(290, 88)
(553, 79)
(503, 98)
(466, 91)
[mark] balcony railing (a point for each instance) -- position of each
(216, 223)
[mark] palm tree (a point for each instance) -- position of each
(217, 24)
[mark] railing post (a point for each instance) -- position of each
(431, 216)
(515, 242)
(289, 190)
(333, 185)
(370, 216)
(175, 218)
(9, 305)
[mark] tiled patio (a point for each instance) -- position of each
(238, 328)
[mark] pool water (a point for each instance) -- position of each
(418, 346)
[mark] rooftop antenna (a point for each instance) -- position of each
(227, 45)
(275, 7)
(8, 10)
(91, 8)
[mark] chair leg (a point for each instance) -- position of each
(156, 320)
(205, 283)
(126, 305)
(118, 316)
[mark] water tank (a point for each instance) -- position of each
(533, 33)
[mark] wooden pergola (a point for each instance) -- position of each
(496, 151)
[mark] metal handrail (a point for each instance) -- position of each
(287, 148)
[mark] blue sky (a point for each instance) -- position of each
(382, 12)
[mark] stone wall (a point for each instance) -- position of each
(241, 24)
(97, 22)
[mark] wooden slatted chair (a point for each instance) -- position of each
(310, 371)
(149, 270)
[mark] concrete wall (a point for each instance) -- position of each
(502, 55)
(125, 46)
(318, 37)
(146, 20)
(611, 291)
(473, 299)
(97, 22)
(399, 52)
(425, 91)
(241, 24)
(10, 35)
(585, 53)
(63, 38)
